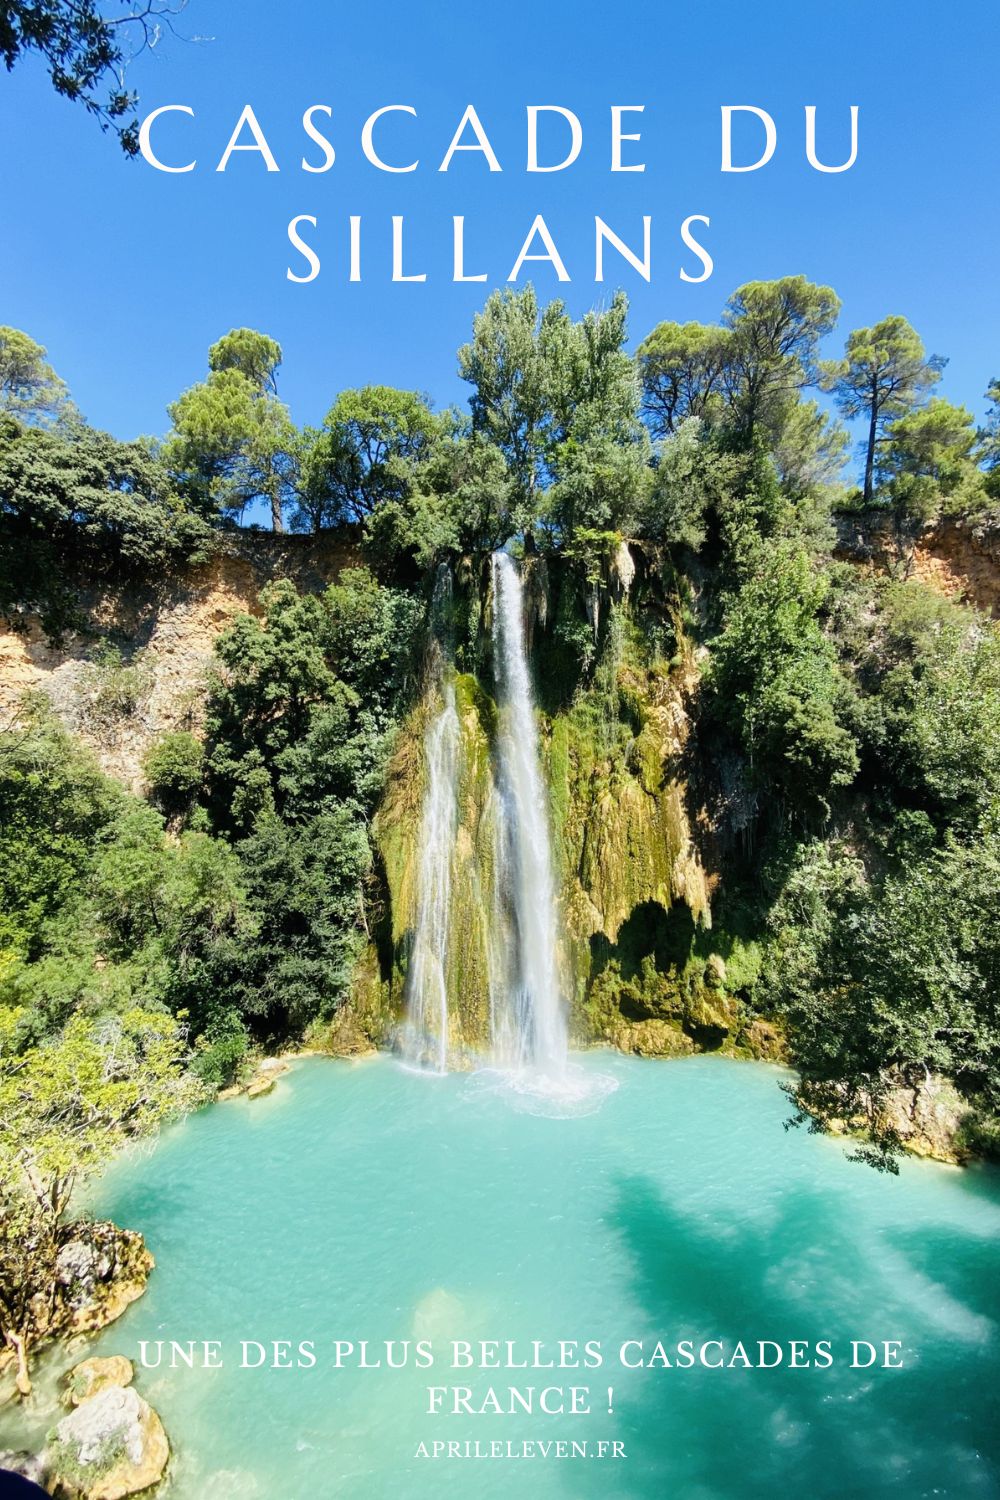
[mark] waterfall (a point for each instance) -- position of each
(425, 1032)
(528, 1022)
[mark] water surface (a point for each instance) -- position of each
(361, 1201)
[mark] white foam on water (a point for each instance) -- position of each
(566, 1095)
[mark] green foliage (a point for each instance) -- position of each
(928, 464)
(65, 1109)
(888, 979)
(30, 390)
(67, 1102)
(173, 770)
(775, 328)
(233, 441)
(55, 805)
(505, 363)
(682, 367)
(113, 687)
(99, 911)
(692, 478)
(254, 355)
(775, 682)
(222, 1052)
(885, 374)
(78, 502)
(989, 438)
(360, 460)
(307, 878)
(461, 498)
(745, 379)
(299, 727)
(928, 704)
(560, 400)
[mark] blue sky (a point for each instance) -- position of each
(127, 274)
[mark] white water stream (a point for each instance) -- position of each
(425, 1032)
(527, 1014)
(529, 1024)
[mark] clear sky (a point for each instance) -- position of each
(127, 274)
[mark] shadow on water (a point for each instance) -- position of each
(830, 1434)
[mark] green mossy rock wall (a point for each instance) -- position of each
(644, 970)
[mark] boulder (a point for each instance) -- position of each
(653, 1038)
(273, 1067)
(80, 1265)
(95, 1375)
(260, 1086)
(110, 1446)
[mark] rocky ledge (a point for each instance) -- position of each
(263, 1080)
(100, 1270)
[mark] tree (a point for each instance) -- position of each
(682, 367)
(173, 770)
(79, 502)
(887, 981)
(56, 807)
(471, 474)
(989, 438)
(66, 1105)
(690, 478)
(107, 501)
(808, 450)
(775, 680)
(596, 450)
(505, 365)
(929, 463)
(83, 49)
(299, 725)
(885, 374)
(931, 679)
(561, 402)
(773, 352)
(30, 390)
(460, 498)
(363, 456)
(233, 441)
(253, 354)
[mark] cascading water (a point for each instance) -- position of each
(528, 1041)
(528, 1020)
(425, 1032)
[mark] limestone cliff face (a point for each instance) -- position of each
(957, 559)
(161, 641)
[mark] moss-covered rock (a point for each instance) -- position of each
(650, 1038)
(110, 1446)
